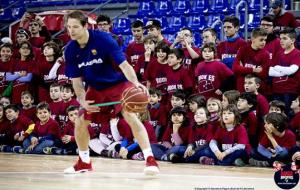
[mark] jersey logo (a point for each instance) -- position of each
(94, 51)
(89, 63)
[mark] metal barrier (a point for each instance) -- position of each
(214, 24)
(246, 18)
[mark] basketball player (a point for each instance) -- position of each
(89, 60)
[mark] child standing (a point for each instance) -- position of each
(252, 59)
(285, 71)
(230, 144)
(21, 72)
(212, 77)
(6, 51)
(156, 72)
(178, 77)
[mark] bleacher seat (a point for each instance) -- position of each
(176, 23)
(182, 7)
(6, 15)
(164, 7)
(122, 26)
(146, 8)
(197, 22)
(17, 13)
(212, 19)
(220, 6)
(200, 6)
(254, 20)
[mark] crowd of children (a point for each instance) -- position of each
(226, 103)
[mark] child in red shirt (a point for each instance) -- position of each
(275, 143)
(45, 133)
(230, 144)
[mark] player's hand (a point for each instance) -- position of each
(144, 88)
(296, 156)
(87, 105)
(123, 153)
(189, 152)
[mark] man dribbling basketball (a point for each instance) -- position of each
(89, 59)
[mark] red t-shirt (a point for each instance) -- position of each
(287, 141)
(133, 51)
(227, 139)
(248, 58)
(209, 77)
(287, 84)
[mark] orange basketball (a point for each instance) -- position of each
(134, 100)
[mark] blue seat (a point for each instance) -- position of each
(232, 6)
(146, 8)
(170, 37)
(254, 20)
(18, 12)
(164, 8)
(220, 6)
(182, 7)
(6, 15)
(176, 23)
(197, 22)
(212, 19)
(201, 6)
(122, 26)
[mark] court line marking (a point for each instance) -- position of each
(132, 175)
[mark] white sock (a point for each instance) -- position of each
(147, 152)
(85, 156)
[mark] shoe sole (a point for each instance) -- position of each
(151, 170)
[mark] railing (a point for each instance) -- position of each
(246, 18)
(215, 23)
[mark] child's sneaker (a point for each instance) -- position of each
(204, 160)
(151, 166)
(47, 150)
(258, 163)
(174, 158)
(277, 165)
(79, 167)
(239, 162)
(17, 149)
(138, 156)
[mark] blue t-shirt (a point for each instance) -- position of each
(94, 62)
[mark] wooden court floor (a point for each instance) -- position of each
(40, 172)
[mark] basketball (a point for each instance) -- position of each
(134, 100)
